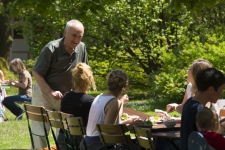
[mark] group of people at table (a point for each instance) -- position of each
(63, 65)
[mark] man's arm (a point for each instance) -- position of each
(41, 82)
(45, 87)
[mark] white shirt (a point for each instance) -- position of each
(97, 114)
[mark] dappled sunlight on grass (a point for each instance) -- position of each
(15, 134)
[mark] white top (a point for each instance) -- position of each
(97, 114)
(188, 90)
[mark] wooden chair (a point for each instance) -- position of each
(197, 141)
(144, 138)
(76, 129)
(37, 113)
(222, 113)
(114, 134)
(56, 119)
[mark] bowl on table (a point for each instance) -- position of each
(170, 123)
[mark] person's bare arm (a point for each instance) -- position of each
(45, 87)
(1, 77)
(112, 111)
(178, 107)
(23, 84)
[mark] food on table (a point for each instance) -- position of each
(124, 116)
(147, 123)
(170, 123)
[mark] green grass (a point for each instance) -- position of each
(14, 134)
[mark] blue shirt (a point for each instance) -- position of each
(190, 109)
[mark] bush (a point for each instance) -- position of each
(170, 82)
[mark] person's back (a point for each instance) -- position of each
(78, 102)
(97, 114)
(190, 109)
(210, 83)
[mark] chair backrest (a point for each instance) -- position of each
(197, 141)
(36, 113)
(75, 127)
(114, 134)
(222, 113)
(144, 138)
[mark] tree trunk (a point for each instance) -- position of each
(5, 38)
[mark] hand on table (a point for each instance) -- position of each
(171, 107)
(131, 119)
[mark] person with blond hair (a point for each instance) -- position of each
(207, 122)
(78, 102)
(196, 66)
(24, 85)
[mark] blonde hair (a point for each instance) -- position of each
(196, 66)
(19, 64)
(206, 118)
(83, 76)
(117, 82)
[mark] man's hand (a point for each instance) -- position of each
(57, 95)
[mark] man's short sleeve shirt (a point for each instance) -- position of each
(55, 64)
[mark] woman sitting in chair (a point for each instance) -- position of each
(106, 107)
(24, 85)
(78, 102)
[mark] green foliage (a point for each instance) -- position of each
(170, 82)
(3, 64)
(151, 43)
(30, 64)
(195, 6)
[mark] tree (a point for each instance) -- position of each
(6, 35)
(53, 9)
(195, 6)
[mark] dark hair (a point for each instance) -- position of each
(117, 82)
(209, 77)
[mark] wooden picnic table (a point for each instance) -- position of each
(131, 112)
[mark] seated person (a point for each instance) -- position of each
(78, 102)
(24, 85)
(210, 84)
(106, 107)
(2, 79)
(1, 108)
(207, 122)
(196, 66)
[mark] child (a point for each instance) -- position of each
(207, 122)
(210, 84)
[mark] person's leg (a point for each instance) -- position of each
(37, 127)
(9, 102)
(39, 98)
